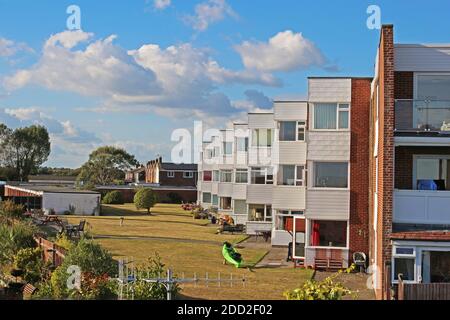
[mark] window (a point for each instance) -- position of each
(188, 174)
(260, 213)
(283, 218)
(206, 197)
(242, 144)
(262, 137)
(216, 175)
(170, 174)
(301, 129)
(215, 200)
(331, 174)
(225, 203)
(331, 116)
(207, 176)
(216, 152)
(433, 87)
(226, 176)
(287, 130)
(329, 234)
(289, 175)
(241, 175)
(406, 267)
(261, 175)
(208, 154)
(240, 207)
(432, 172)
(228, 148)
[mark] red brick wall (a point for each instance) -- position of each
(404, 85)
(178, 180)
(385, 190)
(359, 162)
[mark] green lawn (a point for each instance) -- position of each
(189, 246)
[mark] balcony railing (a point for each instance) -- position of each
(422, 116)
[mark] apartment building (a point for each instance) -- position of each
(299, 172)
(410, 163)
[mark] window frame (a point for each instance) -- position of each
(338, 112)
(216, 176)
(210, 197)
(309, 227)
(189, 176)
(231, 204)
(301, 125)
(240, 171)
(266, 180)
(171, 174)
(297, 182)
(266, 211)
(314, 171)
(256, 144)
(226, 144)
(222, 172)
(246, 144)
(203, 176)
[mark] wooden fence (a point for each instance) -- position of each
(51, 251)
(423, 291)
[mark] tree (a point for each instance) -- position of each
(113, 197)
(145, 199)
(24, 149)
(105, 165)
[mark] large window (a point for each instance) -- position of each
(262, 175)
(228, 148)
(432, 173)
(206, 197)
(433, 87)
(329, 234)
(288, 130)
(207, 176)
(290, 175)
(262, 137)
(331, 174)
(241, 175)
(331, 116)
(260, 213)
(404, 260)
(284, 219)
(225, 203)
(216, 175)
(242, 144)
(226, 176)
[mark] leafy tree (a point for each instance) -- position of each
(29, 260)
(13, 238)
(327, 289)
(10, 210)
(105, 165)
(145, 199)
(24, 149)
(113, 197)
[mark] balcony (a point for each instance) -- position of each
(422, 207)
(422, 116)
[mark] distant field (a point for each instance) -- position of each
(189, 246)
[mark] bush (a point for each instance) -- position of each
(143, 290)
(13, 238)
(327, 289)
(113, 197)
(29, 260)
(11, 210)
(96, 265)
(145, 199)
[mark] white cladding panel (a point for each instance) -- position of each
(240, 191)
(288, 198)
(261, 121)
(293, 152)
(330, 90)
(259, 194)
(290, 111)
(328, 204)
(422, 58)
(329, 146)
(84, 204)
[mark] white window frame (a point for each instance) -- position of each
(338, 111)
(296, 180)
(289, 214)
(241, 171)
(203, 197)
(171, 174)
(313, 177)
(255, 144)
(246, 143)
(404, 256)
(301, 125)
(265, 171)
(188, 174)
(223, 172)
(212, 200)
(265, 212)
(309, 229)
(231, 204)
(216, 176)
(224, 149)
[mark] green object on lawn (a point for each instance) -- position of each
(231, 255)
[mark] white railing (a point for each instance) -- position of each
(422, 207)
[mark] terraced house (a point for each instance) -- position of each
(410, 163)
(299, 172)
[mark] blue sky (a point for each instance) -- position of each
(141, 68)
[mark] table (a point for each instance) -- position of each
(263, 233)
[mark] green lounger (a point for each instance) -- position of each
(228, 253)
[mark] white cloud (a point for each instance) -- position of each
(9, 48)
(209, 12)
(286, 51)
(161, 4)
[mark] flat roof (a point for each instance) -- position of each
(422, 45)
(50, 189)
(343, 77)
(53, 178)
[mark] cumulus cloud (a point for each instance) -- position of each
(255, 101)
(209, 12)
(9, 48)
(161, 4)
(286, 51)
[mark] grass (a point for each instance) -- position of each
(189, 247)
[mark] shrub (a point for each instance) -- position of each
(143, 290)
(11, 210)
(327, 289)
(113, 197)
(64, 242)
(145, 199)
(96, 265)
(13, 238)
(29, 260)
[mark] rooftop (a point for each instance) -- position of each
(49, 188)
